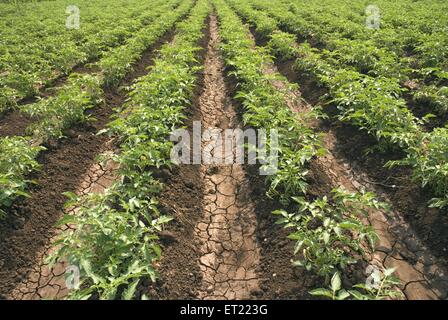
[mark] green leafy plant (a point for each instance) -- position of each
(328, 231)
(335, 291)
(17, 160)
(429, 159)
(434, 96)
(64, 110)
(126, 237)
(385, 289)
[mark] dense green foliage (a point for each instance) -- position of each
(68, 106)
(37, 47)
(17, 159)
(370, 100)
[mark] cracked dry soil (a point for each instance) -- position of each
(215, 254)
(223, 243)
(229, 250)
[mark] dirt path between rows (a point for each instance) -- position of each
(27, 232)
(229, 250)
(210, 251)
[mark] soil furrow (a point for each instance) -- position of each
(229, 249)
(181, 198)
(28, 229)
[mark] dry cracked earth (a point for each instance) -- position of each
(230, 254)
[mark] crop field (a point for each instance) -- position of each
(224, 150)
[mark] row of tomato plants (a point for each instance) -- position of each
(365, 50)
(35, 52)
(420, 35)
(328, 231)
(113, 238)
(371, 103)
(68, 107)
(418, 59)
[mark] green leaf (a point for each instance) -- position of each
(336, 282)
(389, 271)
(129, 292)
(86, 265)
(343, 294)
(357, 295)
(349, 225)
(322, 292)
(326, 237)
(67, 219)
